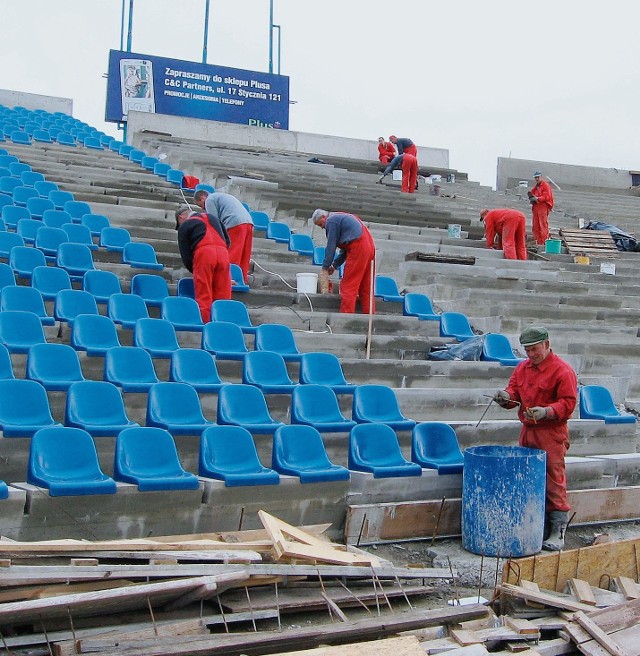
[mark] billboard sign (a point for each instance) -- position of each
(180, 88)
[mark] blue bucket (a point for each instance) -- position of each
(503, 500)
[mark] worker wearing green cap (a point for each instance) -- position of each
(545, 388)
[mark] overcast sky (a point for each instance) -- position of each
(555, 81)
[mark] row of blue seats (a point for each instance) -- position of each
(65, 462)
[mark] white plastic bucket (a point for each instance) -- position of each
(397, 175)
(608, 268)
(453, 231)
(307, 283)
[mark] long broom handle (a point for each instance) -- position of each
(371, 288)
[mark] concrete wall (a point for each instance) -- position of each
(569, 175)
(35, 101)
(268, 138)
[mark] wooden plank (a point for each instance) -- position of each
(373, 523)
(530, 585)
(546, 598)
(523, 627)
(582, 590)
(402, 646)
(627, 586)
(552, 571)
(464, 638)
(334, 608)
(599, 635)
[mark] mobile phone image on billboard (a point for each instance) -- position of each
(136, 82)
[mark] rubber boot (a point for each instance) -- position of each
(558, 520)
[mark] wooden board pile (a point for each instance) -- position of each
(189, 594)
(593, 243)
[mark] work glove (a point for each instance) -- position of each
(536, 413)
(502, 398)
(324, 281)
(533, 200)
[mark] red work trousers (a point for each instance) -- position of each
(409, 173)
(211, 278)
(554, 441)
(356, 281)
(241, 237)
(540, 223)
(514, 238)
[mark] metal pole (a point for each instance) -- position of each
(122, 26)
(278, 28)
(270, 36)
(130, 30)
(206, 32)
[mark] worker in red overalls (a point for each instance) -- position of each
(546, 389)
(204, 247)
(348, 233)
(386, 151)
(509, 226)
(409, 173)
(541, 199)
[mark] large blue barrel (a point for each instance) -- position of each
(503, 492)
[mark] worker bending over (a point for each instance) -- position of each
(545, 387)
(348, 233)
(509, 227)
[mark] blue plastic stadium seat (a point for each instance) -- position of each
(419, 305)
(317, 406)
(42, 136)
(148, 162)
(174, 176)
(176, 408)
(318, 255)
(267, 371)
(279, 232)
(9, 240)
(126, 309)
(65, 462)
(56, 218)
(161, 169)
(596, 402)
(182, 312)
(6, 366)
(156, 336)
(301, 244)
(55, 366)
(434, 445)
(48, 241)
(141, 255)
(130, 368)
(148, 458)
(101, 284)
(237, 279)
(29, 178)
(114, 239)
(24, 408)
(20, 330)
(8, 184)
(22, 194)
(106, 140)
(66, 139)
(151, 287)
(278, 338)
(231, 311)
(20, 137)
(115, 145)
(77, 209)
(324, 369)
(18, 168)
(496, 348)
(4, 201)
(7, 277)
(136, 155)
(79, 234)
(28, 228)
(455, 324)
(228, 453)
(45, 188)
(95, 223)
(26, 299)
(38, 206)
(76, 259)
(386, 288)
(94, 333)
(59, 198)
(300, 451)
(245, 405)
(70, 303)
(225, 340)
(12, 214)
(185, 287)
(201, 186)
(378, 404)
(195, 367)
(24, 259)
(92, 143)
(125, 149)
(97, 407)
(374, 448)
(6, 160)
(49, 281)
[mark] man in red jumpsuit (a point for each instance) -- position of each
(541, 199)
(386, 151)
(204, 249)
(510, 229)
(348, 233)
(409, 173)
(545, 388)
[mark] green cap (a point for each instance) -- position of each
(533, 335)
